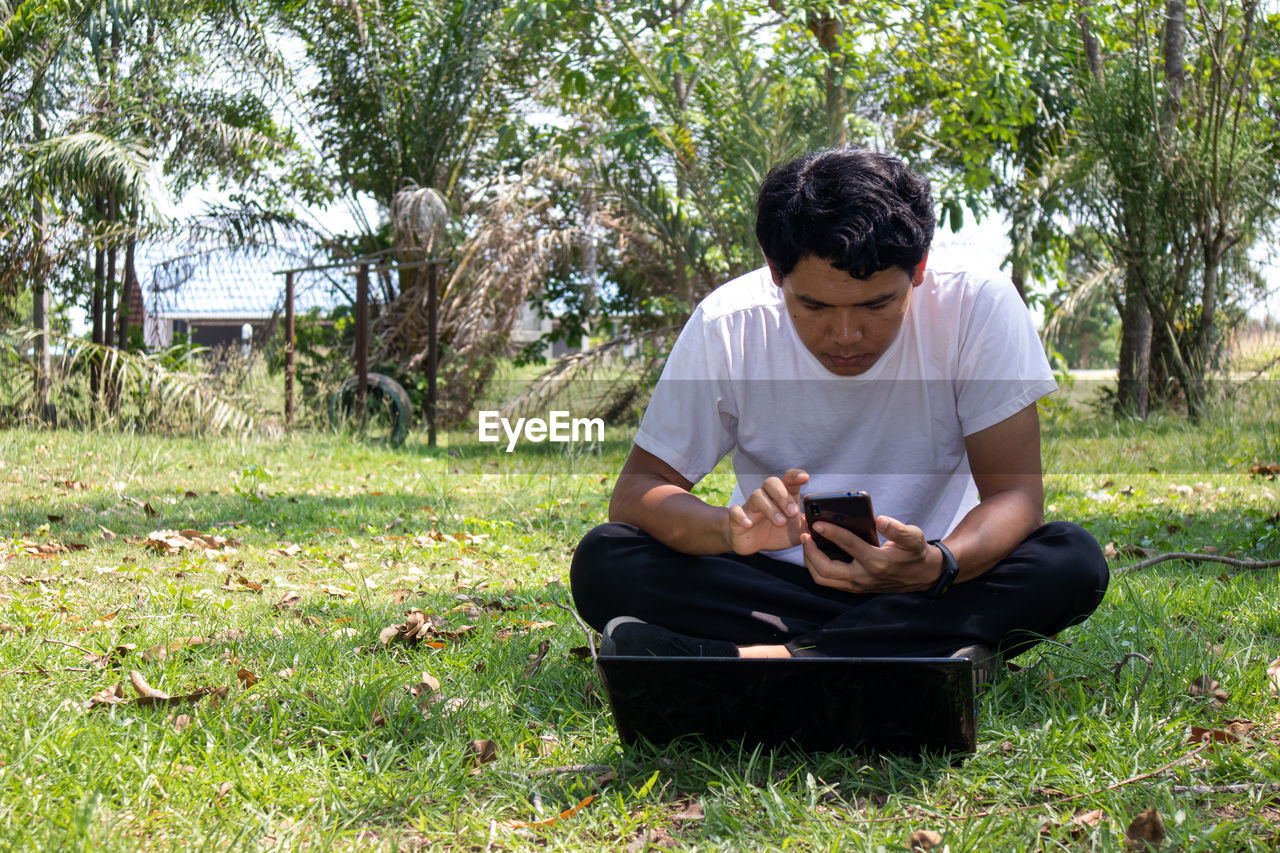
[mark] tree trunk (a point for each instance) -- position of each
(1132, 394)
(826, 28)
(40, 296)
(95, 305)
(1092, 51)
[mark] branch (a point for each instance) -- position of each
(1199, 558)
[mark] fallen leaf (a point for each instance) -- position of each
(246, 678)
(925, 839)
(535, 659)
(1146, 829)
(289, 599)
(106, 696)
(1273, 674)
(1203, 735)
(482, 751)
(336, 591)
(1203, 685)
(289, 550)
(145, 690)
(159, 653)
(286, 673)
(223, 789)
(241, 582)
(182, 722)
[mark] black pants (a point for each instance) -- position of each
(1053, 580)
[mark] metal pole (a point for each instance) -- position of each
(362, 341)
(288, 352)
(433, 321)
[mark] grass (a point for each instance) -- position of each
(328, 750)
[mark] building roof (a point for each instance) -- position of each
(179, 283)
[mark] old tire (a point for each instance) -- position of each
(387, 402)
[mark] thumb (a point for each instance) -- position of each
(903, 535)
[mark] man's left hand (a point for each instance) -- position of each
(904, 563)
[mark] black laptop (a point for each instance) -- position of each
(899, 705)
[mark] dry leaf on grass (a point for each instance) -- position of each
(48, 549)
(1205, 686)
(482, 752)
(148, 695)
(1273, 675)
(239, 583)
(162, 651)
(289, 599)
(1146, 831)
(336, 591)
(170, 542)
(925, 839)
(418, 626)
(181, 722)
(535, 659)
(289, 549)
(246, 678)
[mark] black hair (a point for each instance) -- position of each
(861, 211)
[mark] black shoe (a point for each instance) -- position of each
(985, 662)
(627, 636)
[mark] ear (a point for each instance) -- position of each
(774, 272)
(917, 277)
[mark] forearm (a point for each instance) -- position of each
(670, 514)
(993, 529)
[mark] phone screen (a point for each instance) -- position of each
(850, 510)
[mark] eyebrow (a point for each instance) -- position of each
(870, 303)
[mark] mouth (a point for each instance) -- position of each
(846, 362)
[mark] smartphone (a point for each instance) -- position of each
(850, 510)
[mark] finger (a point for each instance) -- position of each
(850, 542)
(738, 517)
(764, 506)
(781, 495)
(825, 571)
(905, 536)
(794, 478)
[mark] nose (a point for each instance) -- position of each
(846, 328)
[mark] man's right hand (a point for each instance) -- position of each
(770, 519)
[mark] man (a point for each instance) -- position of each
(845, 364)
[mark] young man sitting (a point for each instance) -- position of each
(847, 363)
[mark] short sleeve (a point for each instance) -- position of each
(691, 421)
(1002, 366)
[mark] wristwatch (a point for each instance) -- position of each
(950, 568)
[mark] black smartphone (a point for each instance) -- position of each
(850, 510)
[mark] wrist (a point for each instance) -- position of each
(950, 570)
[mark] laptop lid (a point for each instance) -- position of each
(885, 704)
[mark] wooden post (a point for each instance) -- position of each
(433, 322)
(362, 342)
(288, 351)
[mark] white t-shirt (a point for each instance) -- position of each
(740, 380)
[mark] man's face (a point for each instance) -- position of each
(846, 322)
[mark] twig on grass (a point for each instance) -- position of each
(71, 646)
(586, 629)
(1115, 670)
(43, 671)
(573, 768)
(1239, 788)
(1198, 558)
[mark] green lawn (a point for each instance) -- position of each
(330, 749)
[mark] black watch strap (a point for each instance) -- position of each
(950, 568)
